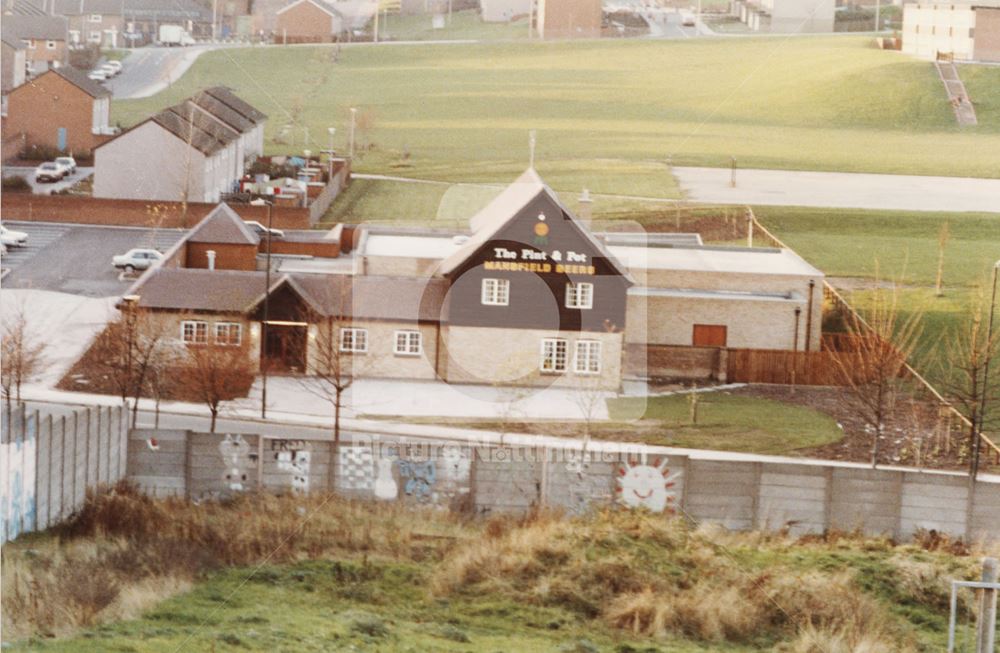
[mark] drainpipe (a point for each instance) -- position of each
(211, 259)
(795, 338)
(809, 314)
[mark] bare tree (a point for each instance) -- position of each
(21, 355)
(873, 373)
(970, 355)
(216, 373)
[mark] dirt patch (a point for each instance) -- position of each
(721, 224)
(918, 435)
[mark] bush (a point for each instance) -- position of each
(16, 184)
(39, 152)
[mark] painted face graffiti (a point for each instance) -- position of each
(647, 486)
(234, 450)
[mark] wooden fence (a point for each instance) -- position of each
(784, 367)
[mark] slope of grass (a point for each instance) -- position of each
(609, 114)
(318, 574)
(463, 25)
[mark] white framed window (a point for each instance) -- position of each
(194, 332)
(50, 45)
(94, 36)
(553, 360)
(496, 292)
(579, 295)
(407, 343)
(95, 18)
(228, 333)
(354, 340)
(587, 357)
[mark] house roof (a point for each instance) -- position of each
(24, 8)
(706, 258)
(504, 208)
(42, 28)
(230, 99)
(79, 79)
(188, 289)
(189, 131)
(223, 226)
(159, 9)
(320, 5)
(192, 116)
(84, 7)
(9, 38)
(223, 112)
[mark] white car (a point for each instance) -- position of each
(11, 238)
(98, 74)
(687, 19)
(136, 259)
(109, 70)
(114, 64)
(67, 162)
(262, 230)
(50, 171)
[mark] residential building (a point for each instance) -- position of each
(966, 32)
(502, 11)
(194, 151)
(14, 61)
(143, 18)
(308, 21)
(44, 38)
(568, 19)
(529, 296)
(61, 109)
(92, 22)
(787, 16)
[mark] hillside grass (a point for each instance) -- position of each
(317, 573)
(610, 115)
(463, 25)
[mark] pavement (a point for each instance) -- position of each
(839, 190)
(46, 188)
(76, 259)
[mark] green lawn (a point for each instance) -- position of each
(609, 114)
(464, 25)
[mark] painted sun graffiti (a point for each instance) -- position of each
(647, 486)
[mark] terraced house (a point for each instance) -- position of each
(528, 296)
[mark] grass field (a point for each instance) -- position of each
(313, 573)
(609, 114)
(464, 25)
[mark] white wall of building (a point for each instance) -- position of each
(929, 29)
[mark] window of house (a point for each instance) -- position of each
(496, 292)
(194, 332)
(228, 333)
(587, 358)
(579, 295)
(407, 343)
(354, 340)
(95, 18)
(94, 36)
(51, 45)
(709, 335)
(553, 356)
(29, 42)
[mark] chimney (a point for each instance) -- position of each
(211, 259)
(585, 210)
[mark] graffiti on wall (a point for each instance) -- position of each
(235, 450)
(647, 486)
(293, 457)
(386, 488)
(420, 477)
(355, 468)
(17, 483)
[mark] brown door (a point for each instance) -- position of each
(709, 335)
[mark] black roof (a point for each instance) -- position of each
(230, 99)
(79, 79)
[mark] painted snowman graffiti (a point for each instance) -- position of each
(647, 486)
(386, 488)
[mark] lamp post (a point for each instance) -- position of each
(986, 374)
(129, 303)
(331, 131)
(263, 326)
(354, 115)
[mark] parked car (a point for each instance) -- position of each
(262, 230)
(136, 259)
(114, 64)
(67, 162)
(97, 74)
(50, 171)
(109, 70)
(687, 19)
(11, 238)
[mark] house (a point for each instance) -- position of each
(93, 22)
(61, 109)
(308, 21)
(786, 16)
(194, 151)
(967, 32)
(14, 62)
(569, 19)
(528, 296)
(503, 11)
(44, 37)
(143, 18)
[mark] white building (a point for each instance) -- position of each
(787, 16)
(965, 32)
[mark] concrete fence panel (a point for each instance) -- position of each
(723, 493)
(793, 497)
(865, 499)
(929, 502)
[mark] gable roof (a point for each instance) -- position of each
(319, 5)
(79, 79)
(237, 104)
(191, 115)
(85, 7)
(190, 131)
(504, 208)
(42, 28)
(372, 297)
(198, 289)
(223, 112)
(9, 38)
(223, 226)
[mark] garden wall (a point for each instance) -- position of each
(738, 491)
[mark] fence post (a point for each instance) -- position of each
(76, 447)
(38, 475)
(97, 453)
(62, 467)
(86, 457)
(986, 623)
(48, 472)
(107, 449)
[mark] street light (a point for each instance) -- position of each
(986, 374)
(354, 115)
(263, 326)
(331, 131)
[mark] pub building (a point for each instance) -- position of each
(528, 296)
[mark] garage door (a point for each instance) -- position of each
(709, 335)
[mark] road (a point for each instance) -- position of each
(147, 71)
(46, 188)
(839, 190)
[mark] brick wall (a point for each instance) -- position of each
(134, 213)
(305, 23)
(48, 103)
(674, 362)
(227, 256)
